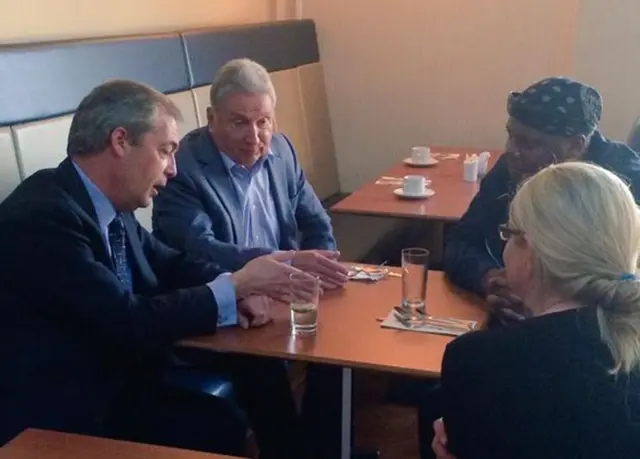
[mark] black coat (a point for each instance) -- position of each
(537, 389)
(72, 339)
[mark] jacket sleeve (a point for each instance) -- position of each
(174, 268)
(312, 219)
(180, 220)
(466, 257)
(48, 255)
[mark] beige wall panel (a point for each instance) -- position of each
(607, 57)
(186, 104)
(437, 72)
(43, 20)
(290, 117)
(201, 98)
(318, 128)
(42, 144)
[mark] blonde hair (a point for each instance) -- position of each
(583, 224)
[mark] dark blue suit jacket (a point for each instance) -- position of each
(197, 213)
(72, 340)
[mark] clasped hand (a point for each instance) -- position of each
(500, 300)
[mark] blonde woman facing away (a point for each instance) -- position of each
(565, 383)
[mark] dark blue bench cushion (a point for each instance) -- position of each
(276, 45)
(47, 80)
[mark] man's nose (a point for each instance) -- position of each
(253, 136)
(172, 168)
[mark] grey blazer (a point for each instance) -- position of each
(197, 212)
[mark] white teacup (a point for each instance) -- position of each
(420, 155)
(414, 185)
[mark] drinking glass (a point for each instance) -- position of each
(304, 304)
(415, 269)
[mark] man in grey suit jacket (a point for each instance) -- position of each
(240, 193)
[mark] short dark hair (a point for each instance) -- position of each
(116, 103)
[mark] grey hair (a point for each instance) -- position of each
(116, 103)
(241, 75)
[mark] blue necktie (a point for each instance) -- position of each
(118, 243)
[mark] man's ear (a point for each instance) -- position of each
(118, 141)
(210, 115)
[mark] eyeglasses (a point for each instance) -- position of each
(507, 232)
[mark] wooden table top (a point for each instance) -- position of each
(349, 333)
(45, 444)
(452, 198)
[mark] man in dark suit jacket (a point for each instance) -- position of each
(240, 193)
(90, 302)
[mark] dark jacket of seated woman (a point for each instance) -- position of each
(566, 382)
(540, 389)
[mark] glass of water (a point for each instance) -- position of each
(304, 304)
(415, 269)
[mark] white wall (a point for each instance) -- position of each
(400, 72)
(608, 56)
(40, 20)
(407, 72)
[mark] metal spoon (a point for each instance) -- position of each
(433, 321)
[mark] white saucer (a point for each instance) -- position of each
(431, 162)
(428, 192)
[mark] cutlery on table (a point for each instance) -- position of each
(447, 323)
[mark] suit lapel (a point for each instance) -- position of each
(72, 182)
(220, 180)
(80, 199)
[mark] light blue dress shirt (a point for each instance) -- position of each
(221, 287)
(259, 218)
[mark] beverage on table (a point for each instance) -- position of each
(304, 310)
(415, 269)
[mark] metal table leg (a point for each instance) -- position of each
(345, 443)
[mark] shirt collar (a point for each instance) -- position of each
(230, 163)
(101, 204)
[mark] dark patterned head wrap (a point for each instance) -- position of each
(557, 106)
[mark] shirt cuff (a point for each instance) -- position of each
(224, 293)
